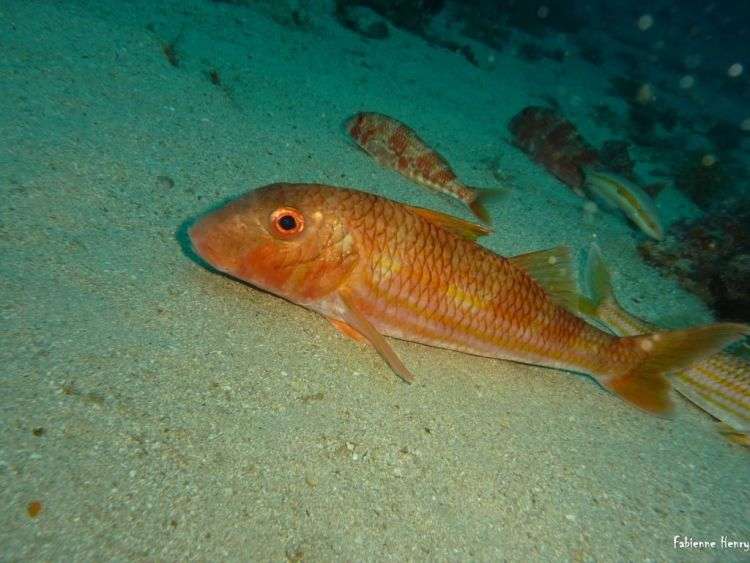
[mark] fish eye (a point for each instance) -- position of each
(287, 221)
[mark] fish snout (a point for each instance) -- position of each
(221, 239)
(201, 240)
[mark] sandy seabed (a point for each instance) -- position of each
(158, 411)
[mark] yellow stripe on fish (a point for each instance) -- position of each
(628, 197)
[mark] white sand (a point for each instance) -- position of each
(186, 416)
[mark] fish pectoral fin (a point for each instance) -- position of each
(347, 330)
(553, 270)
(357, 322)
(459, 227)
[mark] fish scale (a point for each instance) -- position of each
(376, 268)
(509, 312)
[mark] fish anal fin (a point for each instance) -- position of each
(348, 330)
(356, 321)
(553, 270)
(459, 227)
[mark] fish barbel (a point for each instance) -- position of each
(376, 268)
(396, 146)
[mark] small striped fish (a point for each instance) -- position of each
(628, 197)
(718, 384)
(376, 268)
(396, 146)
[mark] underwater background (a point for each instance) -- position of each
(152, 410)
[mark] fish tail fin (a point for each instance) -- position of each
(642, 382)
(483, 195)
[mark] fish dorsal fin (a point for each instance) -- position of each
(459, 227)
(553, 270)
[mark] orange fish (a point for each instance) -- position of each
(376, 268)
(396, 146)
